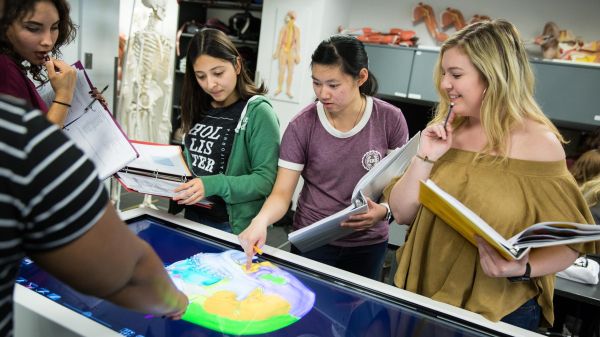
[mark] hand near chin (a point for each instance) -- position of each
(435, 141)
(63, 79)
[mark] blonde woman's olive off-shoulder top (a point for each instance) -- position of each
(510, 195)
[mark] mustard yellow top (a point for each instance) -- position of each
(439, 263)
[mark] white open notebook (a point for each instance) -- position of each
(93, 128)
(371, 186)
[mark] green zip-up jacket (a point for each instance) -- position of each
(252, 165)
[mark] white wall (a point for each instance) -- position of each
(97, 34)
(578, 16)
(316, 23)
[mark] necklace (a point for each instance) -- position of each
(363, 102)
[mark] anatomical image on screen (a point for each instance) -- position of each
(226, 297)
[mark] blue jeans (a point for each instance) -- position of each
(362, 260)
(526, 316)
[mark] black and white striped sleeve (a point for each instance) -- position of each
(53, 189)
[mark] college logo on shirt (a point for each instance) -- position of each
(370, 159)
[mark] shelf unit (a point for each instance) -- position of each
(566, 91)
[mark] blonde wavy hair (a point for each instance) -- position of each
(496, 50)
(586, 167)
(591, 191)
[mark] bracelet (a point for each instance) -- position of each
(62, 103)
(425, 159)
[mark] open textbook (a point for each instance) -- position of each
(469, 225)
(159, 170)
(371, 186)
(92, 127)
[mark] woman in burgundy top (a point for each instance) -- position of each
(31, 33)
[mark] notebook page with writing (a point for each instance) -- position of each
(94, 131)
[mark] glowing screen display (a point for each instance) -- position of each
(276, 298)
(225, 297)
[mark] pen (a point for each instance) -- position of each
(448, 115)
(257, 250)
(95, 98)
(86, 108)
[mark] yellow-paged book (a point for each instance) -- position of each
(469, 225)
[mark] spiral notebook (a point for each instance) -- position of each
(92, 127)
(159, 170)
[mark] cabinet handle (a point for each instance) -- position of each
(414, 96)
(399, 94)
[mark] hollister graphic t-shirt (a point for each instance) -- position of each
(209, 143)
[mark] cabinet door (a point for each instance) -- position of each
(567, 92)
(421, 79)
(391, 67)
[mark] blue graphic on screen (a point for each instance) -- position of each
(340, 309)
(226, 297)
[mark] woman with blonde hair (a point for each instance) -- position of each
(586, 167)
(501, 157)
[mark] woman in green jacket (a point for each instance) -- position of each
(231, 136)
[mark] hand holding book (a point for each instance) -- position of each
(161, 170)
(376, 212)
(470, 225)
(190, 192)
(495, 265)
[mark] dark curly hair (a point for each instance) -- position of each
(15, 10)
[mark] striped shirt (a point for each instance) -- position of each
(50, 194)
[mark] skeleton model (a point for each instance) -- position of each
(146, 90)
(145, 96)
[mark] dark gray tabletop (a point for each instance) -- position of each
(578, 291)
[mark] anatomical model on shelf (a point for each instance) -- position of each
(424, 12)
(451, 17)
(145, 96)
(563, 45)
(395, 36)
(287, 53)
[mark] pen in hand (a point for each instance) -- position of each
(95, 97)
(86, 108)
(448, 115)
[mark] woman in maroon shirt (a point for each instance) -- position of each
(31, 33)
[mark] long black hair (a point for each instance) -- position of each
(16, 10)
(349, 53)
(195, 102)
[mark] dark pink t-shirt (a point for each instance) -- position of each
(14, 82)
(332, 162)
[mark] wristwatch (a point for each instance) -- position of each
(388, 212)
(523, 278)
